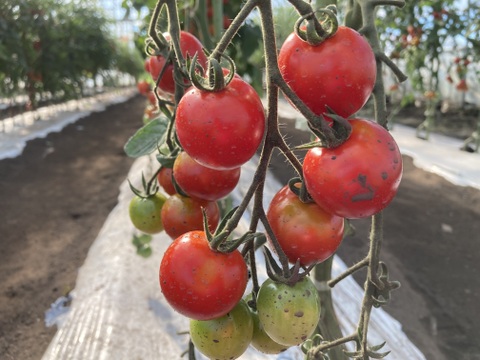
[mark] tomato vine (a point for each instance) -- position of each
(332, 132)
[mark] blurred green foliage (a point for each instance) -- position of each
(56, 46)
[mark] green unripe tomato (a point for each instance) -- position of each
(288, 314)
(261, 341)
(226, 337)
(145, 213)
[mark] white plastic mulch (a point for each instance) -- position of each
(119, 312)
(17, 130)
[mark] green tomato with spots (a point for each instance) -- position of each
(145, 213)
(226, 337)
(288, 314)
(261, 341)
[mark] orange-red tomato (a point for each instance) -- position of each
(190, 45)
(182, 214)
(360, 177)
(339, 73)
(202, 182)
(164, 178)
(201, 283)
(304, 231)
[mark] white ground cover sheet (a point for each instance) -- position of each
(17, 130)
(119, 312)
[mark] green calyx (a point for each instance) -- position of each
(214, 80)
(319, 28)
(288, 276)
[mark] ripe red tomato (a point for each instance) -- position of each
(145, 213)
(37, 45)
(35, 76)
(146, 65)
(226, 337)
(182, 214)
(304, 231)
(201, 283)
(189, 45)
(358, 178)
(152, 98)
(462, 85)
(143, 87)
(288, 314)
(164, 178)
(340, 72)
(221, 129)
(202, 182)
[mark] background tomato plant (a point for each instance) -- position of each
(52, 49)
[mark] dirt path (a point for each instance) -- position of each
(54, 199)
(57, 194)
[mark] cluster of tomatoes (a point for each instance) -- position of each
(361, 176)
(219, 131)
(151, 111)
(461, 68)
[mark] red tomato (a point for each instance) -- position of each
(202, 182)
(164, 178)
(182, 214)
(221, 129)
(143, 87)
(358, 178)
(462, 85)
(37, 45)
(189, 45)
(146, 65)
(304, 231)
(201, 283)
(152, 98)
(35, 76)
(339, 73)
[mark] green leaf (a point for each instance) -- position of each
(147, 138)
(144, 251)
(142, 243)
(143, 239)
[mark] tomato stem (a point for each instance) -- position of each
(351, 270)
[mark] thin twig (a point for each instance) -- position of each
(359, 265)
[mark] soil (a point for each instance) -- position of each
(57, 194)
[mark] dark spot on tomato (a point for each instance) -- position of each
(299, 313)
(286, 310)
(279, 297)
(384, 175)
(334, 157)
(216, 341)
(368, 195)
